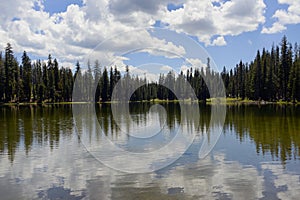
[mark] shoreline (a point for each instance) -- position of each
(228, 102)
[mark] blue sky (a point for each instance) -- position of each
(57, 6)
(70, 30)
(245, 46)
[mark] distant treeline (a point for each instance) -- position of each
(272, 76)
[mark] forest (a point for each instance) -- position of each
(273, 75)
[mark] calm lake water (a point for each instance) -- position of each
(43, 155)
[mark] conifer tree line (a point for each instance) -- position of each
(272, 76)
(33, 81)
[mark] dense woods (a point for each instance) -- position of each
(272, 76)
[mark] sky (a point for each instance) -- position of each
(171, 34)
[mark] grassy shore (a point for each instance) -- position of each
(211, 101)
(239, 101)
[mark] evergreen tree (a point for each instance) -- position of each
(284, 68)
(2, 78)
(104, 92)
(170, 80)
(89, 81)
(294, 76)
(26, 77)
(271, 76)
(43, 88)
(111, 82)
(57, 86)
(240, 80)
(69, 85)
(256, 78)
(97, 83)
(8, 71)
(78, 83)
(51, 83)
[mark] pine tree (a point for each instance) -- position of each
(162, 92)
(271, 82)
(26, 77)
(78, 84)
(240, 80)
(203, 87)
(111, 82)
(51, 83)
(56, 77)
(271, 76)
(2, 78)
(290, 77)
(170, 81)
(69, 85)
(104, 92)
(8, 70)
(277, 78)
(89, 81)
(97, 83)
(256, 78)
(284, 68)
(196, 83)
(17, 82)
(43, 88)
(293, 77)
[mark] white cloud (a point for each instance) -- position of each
(184, 69)
(284, 17)
(21, 31)
(276, 28)
(284, 179)
(166, 68)
(14, 9)
(139, 13)
(71, 35)
(196, 63)
(220, 41)
(211, 179)
(192, 63)
(204, 20)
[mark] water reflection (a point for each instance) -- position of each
(141, 154)
(274, 129)
(25, 126)
(41, 156)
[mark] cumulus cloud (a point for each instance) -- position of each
(129, 6)
(72, 34)
(196, 63)
(284, 17)
(220, 41)
(283, 179)
(210, 180)
(193, 63)
(204, 19)
(138, 12)
(166, 68)
(14, 9)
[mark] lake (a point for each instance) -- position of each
(46, 153)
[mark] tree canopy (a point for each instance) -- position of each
(272, 76)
